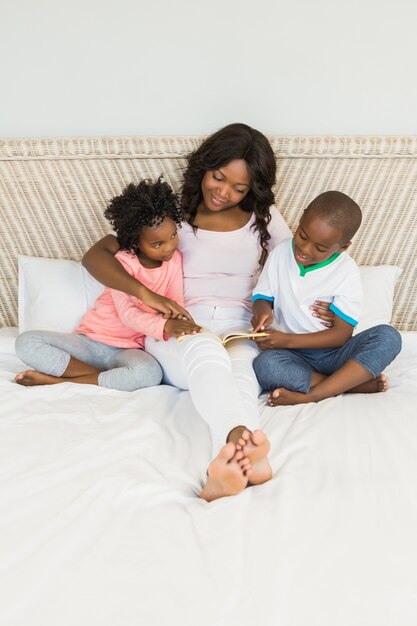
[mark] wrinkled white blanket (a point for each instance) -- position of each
(100, 523)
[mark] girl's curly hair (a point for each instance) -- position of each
(235, 141)
(145, 204)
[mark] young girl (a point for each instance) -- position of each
(231, 225)
(107, 347)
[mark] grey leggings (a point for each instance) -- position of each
(123, 369)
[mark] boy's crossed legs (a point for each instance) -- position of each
(300, 376)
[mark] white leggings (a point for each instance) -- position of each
(221, 381)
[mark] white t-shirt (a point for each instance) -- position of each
(293, 288)
(221, 268)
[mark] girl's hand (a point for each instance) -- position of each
(179, 327)
(168, 308)
(274, 339)
(322, 311)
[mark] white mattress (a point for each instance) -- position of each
(100, 523)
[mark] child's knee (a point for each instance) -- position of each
(265, 367)
(390, 338)
(25, 343)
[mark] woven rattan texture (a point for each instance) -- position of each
(53, 193)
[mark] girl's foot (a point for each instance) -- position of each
(255, 446)
(225, 474)
(29, 378)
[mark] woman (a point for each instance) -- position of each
(230, 227)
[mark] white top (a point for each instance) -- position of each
(293, 288)
(221, 268)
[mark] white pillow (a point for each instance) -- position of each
(54, 294)
(378, 282)
(8, 336)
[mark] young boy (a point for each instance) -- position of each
(301, 362)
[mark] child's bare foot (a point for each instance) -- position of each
(29, 378)
(226, 476)
(284, 397)
(376, 385)
(255, 446)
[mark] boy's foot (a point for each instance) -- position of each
(30, 378)
(225, 474)
(284, 397)
(255, 446)
(376, 385)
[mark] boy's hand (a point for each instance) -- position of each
(179, 327)
(263, 315)
(274, 339)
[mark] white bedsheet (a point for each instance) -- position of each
(100, 523)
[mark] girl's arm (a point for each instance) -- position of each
(99, 261)
(150, 324)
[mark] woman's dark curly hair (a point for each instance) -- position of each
(145, 204)
(235, 141)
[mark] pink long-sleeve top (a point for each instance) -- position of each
(118, 319)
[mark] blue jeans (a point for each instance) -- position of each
(373, 348)
(123, 369)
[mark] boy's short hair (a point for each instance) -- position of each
(338, 210)
(140, 205)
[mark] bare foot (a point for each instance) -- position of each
(30, 378)
(376, 385)
(255, 446)
(226, 476)
(284, 397)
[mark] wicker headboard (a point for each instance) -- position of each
(53, 193)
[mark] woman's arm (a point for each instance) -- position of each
(100, 262)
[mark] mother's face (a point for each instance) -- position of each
(226, 187)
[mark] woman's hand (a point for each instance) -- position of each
(168, 308)
(180, 327)
(322, 311)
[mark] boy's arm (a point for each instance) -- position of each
(264, 294)
(263, 314)
(333, 337)
(100, 262)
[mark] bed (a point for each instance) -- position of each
(99, 519)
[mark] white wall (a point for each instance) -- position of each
(110, 67)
